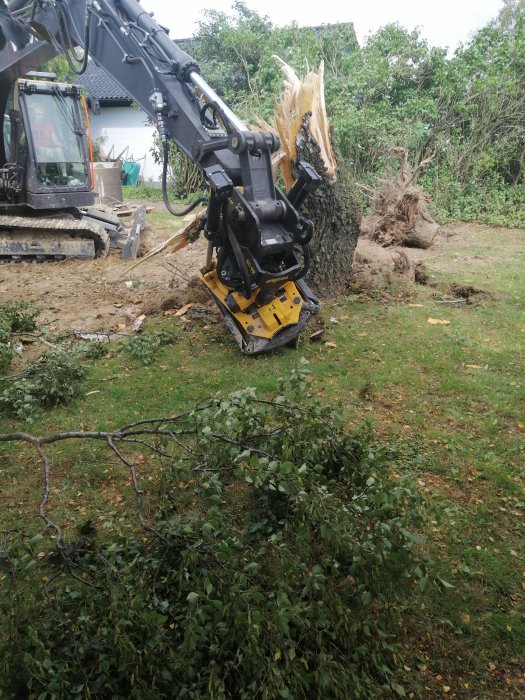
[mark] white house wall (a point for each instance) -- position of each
(127, 126)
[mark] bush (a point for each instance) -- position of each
(53, 380)
(284, 547)
(15, 317)
(94, 349)
(20, 316)
(489, 201)
(145, 347)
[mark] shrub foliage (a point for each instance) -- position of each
(16, 317)
(395, 90)
(282, 548)
(53, 380)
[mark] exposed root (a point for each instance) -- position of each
(400, 215)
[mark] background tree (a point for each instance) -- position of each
(510, 12)
(58, 65)
(395, 91)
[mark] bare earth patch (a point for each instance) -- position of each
(456, 249)
(94, 296)
(104, 295)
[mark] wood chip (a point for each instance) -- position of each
(438, 322)
(183, 309)
(139, 322)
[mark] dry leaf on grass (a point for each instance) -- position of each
(438, 322)
(183, 309)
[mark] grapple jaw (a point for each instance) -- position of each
(259, 328)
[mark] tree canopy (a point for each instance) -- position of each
(395, 90)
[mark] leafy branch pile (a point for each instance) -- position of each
(53, 380)
(15, 318)
(275, 563)
(145, 347)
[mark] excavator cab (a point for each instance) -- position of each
(48, 144)
(46, 188)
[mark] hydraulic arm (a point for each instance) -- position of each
(258, 244)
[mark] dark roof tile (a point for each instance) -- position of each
(98, 83)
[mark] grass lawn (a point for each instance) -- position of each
(449, 396)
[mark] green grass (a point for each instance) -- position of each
(449, 398)
(142, 191)
(153, 193)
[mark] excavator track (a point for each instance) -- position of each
(24, 239)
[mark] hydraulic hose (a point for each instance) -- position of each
(167, 203)
(16, 5)
(64, 21)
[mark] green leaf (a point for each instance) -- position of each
(398, 690)
(444, 584)
(366, 598)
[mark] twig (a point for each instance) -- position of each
(45, 498)
(421, 167)
(222, 438)
(451, 301)
(176, 271)
(134, 480)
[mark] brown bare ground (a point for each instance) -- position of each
(93, 295)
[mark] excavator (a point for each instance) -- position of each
(258, 244)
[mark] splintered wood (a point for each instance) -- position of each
(182, 238)
(305, 133)
(301, 98)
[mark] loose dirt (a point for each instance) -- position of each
(102, 294)
(456, 249)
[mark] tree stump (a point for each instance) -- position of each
(400, 215)
(336, 216)
(305, 134)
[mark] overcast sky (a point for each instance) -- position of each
(443, 22)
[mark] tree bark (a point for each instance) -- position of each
(336, 215)
(302, 123)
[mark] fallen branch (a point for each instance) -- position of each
(188, 234)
